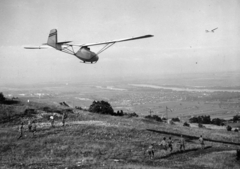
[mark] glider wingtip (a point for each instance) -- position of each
(149, 36)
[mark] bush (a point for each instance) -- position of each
(193, 120)
(200, 119)
(186, 124)
(200, 125)
(29, 112)
(2, 98)
(132, 115)
(218, 121)
(236, 118)
(101, 107)
(238, 154)
(229, 128)
(175, 119)
(78, 107)
(120, 113)
(154, 117)
(206, 120)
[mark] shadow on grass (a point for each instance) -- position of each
(192, 137)
(185, 151)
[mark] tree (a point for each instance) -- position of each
(101, 107)
(217, 121)
(236, 118)
(2, 98)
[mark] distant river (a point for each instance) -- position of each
(184, 89)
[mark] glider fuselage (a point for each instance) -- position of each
(86, 55)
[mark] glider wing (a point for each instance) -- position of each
(37, 47)
(113, 41)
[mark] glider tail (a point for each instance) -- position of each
(52, 38)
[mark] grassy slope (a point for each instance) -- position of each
(98, 141)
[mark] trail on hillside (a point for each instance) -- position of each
(70, 123)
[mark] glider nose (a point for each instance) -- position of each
(97, 58)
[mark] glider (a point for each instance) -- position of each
(83, 53)
(211, 30)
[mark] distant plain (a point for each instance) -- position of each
(185, 95)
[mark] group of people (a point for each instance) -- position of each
(32, 126)
(52, 119)
(168, 144)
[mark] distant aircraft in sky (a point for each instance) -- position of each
(83, 53)
(211, 30)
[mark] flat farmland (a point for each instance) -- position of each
(138, 99)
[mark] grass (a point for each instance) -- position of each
(217, 160)
(99, 141)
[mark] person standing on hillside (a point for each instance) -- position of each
(201, 142)
(21, 130)
(34, 128)
(52, 120)
(64, 116)
(170, 144)
(164, 143)
(182, 143)
(29, 125)
(150, 151)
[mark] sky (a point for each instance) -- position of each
(180, 43)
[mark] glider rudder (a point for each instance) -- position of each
(52, 38)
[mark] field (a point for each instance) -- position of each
(91, 140)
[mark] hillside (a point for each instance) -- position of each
(91, 140)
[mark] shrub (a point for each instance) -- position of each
(229, 128)
(186, 124)
(175, 119)
(236, 118)
(206, 120)
(200, 125)
(217, 121)
(101, 107)
(238, 154)
(2, 98)
(200, 119)
(120, 113)
(29, 112)
(193, 120)
(78, 107)
(154, 117)
(132, 114)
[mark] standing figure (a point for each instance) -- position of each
(29, 125)
(182, 143)
(170, 144)
(21, 130)
(52, 120)
(164, 143)
(64, 116)
(201, 142)
(34, 128)
(150, 151)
